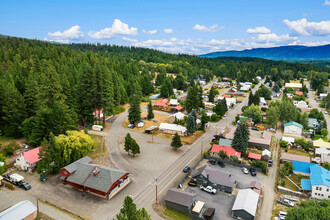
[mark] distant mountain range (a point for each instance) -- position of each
(292, 53)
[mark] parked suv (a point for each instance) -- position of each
(253, 172)
(221, 164)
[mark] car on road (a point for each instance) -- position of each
(285, 202)
(221, 164)
(208, 189)
(253, 172)
(186, 169)
(213, 162)
(245, 170)
(270, 163)
(325, 112)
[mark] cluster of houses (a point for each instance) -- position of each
(171, 105)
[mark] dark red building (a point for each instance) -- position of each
(93, 178)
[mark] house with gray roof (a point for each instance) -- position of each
(207, 175)
(93, 178)
(245, 205)
(22, 210)
(180, 200)
(313, 123)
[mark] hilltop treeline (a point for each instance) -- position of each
(48, 87)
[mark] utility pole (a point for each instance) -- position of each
(156, 183)
(202, 146)
(37, 206)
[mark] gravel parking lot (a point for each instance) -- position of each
(222, 202)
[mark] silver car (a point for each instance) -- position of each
(245, 170)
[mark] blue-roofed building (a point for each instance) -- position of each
(156, 96)
(318, 183)
(306, 184)
(302, 168)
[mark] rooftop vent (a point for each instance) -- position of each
(96, 171)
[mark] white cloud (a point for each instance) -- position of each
(58, 41)
(305, 28)
(275, 38)
(118, 28)
(70, 34)
(258, 30)
(168, 31)
(315, 43)
(151, 32)
(203, 28)
(327, 2)
(131, 40)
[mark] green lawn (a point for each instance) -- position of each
(290, 185)
(298, 152)
(318, 136)
(295, 178)
(175, 215)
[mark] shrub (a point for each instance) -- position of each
(223, 155)
(260, 164)
(259, 147)
(283, 183)
(206, 153)
(118, 109)
(286, 169)
(235, 159)
(215, 118)
(10, 148)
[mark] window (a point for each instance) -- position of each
(317, 188)
(316, 194)
(328, 197)
(320, 188)
(322, 195)
(328, 190)
(319, 194)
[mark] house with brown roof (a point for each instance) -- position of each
(94, 179)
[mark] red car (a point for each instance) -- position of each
(213, 162)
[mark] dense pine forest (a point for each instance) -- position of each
(51, 88)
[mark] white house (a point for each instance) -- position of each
(318, 183)
(172, 129)
(300, 104)
(259, 78)
(179, 116)
(174, 102)
(262, 101)
(292, 127)
(28, 160)
(229, 101)
(323, 96)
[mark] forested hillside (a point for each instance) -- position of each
(48, 87)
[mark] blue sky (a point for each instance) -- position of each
(185, 26)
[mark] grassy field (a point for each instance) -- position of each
(175, 215)
(318, 136)
(295, 178)
(290, 185)
(98, 150)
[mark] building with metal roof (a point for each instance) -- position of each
(291, 157)
(28, 160)
(302, 168)
(245, 205)
(95, 179)
(22, 210)
(293, 127)
(172, 129)
(180, 200)
(225, 142)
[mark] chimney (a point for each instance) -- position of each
(96, 171)
(207, 177)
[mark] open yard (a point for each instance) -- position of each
(168, 213)
(99, 149)
(298, 152)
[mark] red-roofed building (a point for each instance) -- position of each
(161, 104)
(229, 150)
(299, 93)
(226, 96)
(254, 156)
(177, 108)
(28, 160)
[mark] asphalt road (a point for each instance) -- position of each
(168, 178)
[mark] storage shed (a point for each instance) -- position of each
(246, 204)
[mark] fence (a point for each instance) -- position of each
(290, 192)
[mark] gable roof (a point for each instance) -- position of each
(161, 102)
(293, 85)
(102, 181)
(254, 156)
(173, 127)
(178, 115)
(302, 167)
(293, 123)
(32, 156)
(246, 200)
(299, 93)
(226, 96)
(321, 143)
(18, 211)
(312, 122)
(319, 176)
(215, 176)
(73, 166)
(322, 150)
(180, 197)
(229, 150)
(179, 108)
(225, 142)
(266, 152)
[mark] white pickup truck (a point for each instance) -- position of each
(208, 189)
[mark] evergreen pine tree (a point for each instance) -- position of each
(128, 143)
(176, 141)
(211, 94)
(241, 138)
(134, 112)
(191, 124)
(150, 111)
(135, 148)
(250, 98)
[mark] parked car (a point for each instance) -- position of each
(221, 164)
(325, 112)
(192, 182)
(253, 172)
(270, 163)
(245, 170)
(271, 129)
(208, 189)
(255, 129)
(24, 185)
(213, 162)
(186, 169)
(140, 125)
(131, 126)
(285, 202)
(282, 215)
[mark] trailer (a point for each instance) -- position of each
(13, 178)
(97, 128)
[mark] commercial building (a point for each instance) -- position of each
(293, 127)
